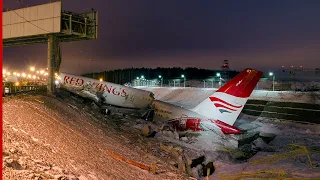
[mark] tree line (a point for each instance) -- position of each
(121, 76)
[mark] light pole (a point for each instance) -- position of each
(271, 74)
(184, 80)
(137, 81)
(142, 83)
(219, 75)
(161, 80)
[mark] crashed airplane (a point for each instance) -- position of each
(216, 113)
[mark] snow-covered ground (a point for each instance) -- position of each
(285, 133)
(50, 138)
(65, 138)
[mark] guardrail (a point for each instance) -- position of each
(302, 112)
(10, 89)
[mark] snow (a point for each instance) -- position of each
(52, 140)
(71, 137)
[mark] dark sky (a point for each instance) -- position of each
(264, 34)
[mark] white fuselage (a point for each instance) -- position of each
(110, 93)
(165, 111)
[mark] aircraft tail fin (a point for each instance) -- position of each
(228, 101)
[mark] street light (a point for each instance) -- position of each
(271, 74)
(161, 80)
(100, 79)
(184, 81)
(219, 75)
(32, 68)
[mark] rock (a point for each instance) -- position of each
(197, 172)
(31, 176)
(258, 144)
(82, 178)
(176, 135)
(308, 131)
(147, 131)
(184, 139)
(4, 154)
(12, 150)
(168, 134)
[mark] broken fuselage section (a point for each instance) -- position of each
(108, 96)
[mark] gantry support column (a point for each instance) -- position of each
(51, 63)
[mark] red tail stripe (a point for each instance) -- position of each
(220, 105)
(243, 84)
(220, 100)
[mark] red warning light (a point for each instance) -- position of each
(282, 66)
(291, 66)
(300, 66)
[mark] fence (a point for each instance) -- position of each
(263, 84)
(12, 89)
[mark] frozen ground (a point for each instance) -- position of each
(55, 138)
(49, 138)
(287, 132)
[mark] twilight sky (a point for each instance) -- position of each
(264, 34)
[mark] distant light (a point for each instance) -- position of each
(32, 68)
(42, 71)
(291, 66)
(18, 74)
(34, 77)
(300, 66)
(56, 82)
(137, 77)
(38, 72)
(17, 83)
(14, 73)
(160, 76)
(270, 73)
(142, 77)
(182, 75)
(100, 79)
(218, 74)
(24, 75)
(8, 73)
(4, 71)
(282, 66)
(29, 76)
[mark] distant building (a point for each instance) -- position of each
(225, 69)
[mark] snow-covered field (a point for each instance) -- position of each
(65, 138)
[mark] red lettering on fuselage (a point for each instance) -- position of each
(99, 86)
(66, 78)
(124, 93)
(107, 88)
(80, 82)
(115, 92)
(72, 80)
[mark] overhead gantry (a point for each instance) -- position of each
(48, 23)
